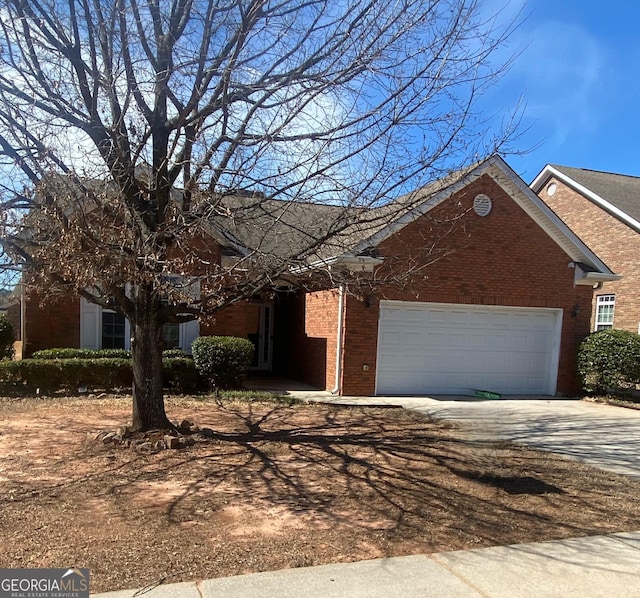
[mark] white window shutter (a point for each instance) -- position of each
(90, 325)
(189, 332)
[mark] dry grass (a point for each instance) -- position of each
(278, 486)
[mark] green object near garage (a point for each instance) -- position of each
(487, 394)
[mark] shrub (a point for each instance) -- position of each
(180, 374)
(609, 360)
(7, 337)
(222, 360)
(50, 375)
(70, 374)
(170, 353)
(72, 353)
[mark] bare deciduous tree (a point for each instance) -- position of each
(140, 138)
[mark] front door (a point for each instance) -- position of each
(260, 321)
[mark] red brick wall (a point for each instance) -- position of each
(230, 321)
(504, 258)
(53, 324)
(612, 241)
(319, 347)
(360, 347)
(56, 323)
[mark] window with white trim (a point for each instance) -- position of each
(605, 307)
(103, 328)
(171, 336)
(113, 330)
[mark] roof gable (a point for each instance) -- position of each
(523, 196)
(618, 194)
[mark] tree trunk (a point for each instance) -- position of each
(146, 351)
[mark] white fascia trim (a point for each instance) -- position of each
(542, 177)
(548, 220)
(550, 171)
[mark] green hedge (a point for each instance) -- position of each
(223, 361)
(609, 360)
(71, 353)
(180, 375)
(175, 353)
(50, 375)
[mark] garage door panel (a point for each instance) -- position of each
(519, 341)
(478, 319)
(437, 316)
(458, 339)
(412, 337)
(476, 341)
(453, 349)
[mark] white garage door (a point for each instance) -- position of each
(456, 349)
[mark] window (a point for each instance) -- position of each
(105, 329)
(113, 330)
(102, 328)
(171, 336)
(605, 306)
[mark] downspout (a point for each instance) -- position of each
(339, 332)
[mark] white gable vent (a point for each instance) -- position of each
(482, 205)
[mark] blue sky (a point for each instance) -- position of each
(578, 75)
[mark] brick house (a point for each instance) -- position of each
(478, 286)
(603, 209)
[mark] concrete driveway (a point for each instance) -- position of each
(601, 435)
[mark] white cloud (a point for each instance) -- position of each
(562, 75)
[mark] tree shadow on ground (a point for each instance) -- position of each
(282, 486)
(408, 477)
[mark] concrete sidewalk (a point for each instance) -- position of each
(600, 566)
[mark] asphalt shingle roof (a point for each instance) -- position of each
(310, 232)
(620, 190)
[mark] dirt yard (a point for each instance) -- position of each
(277, 486)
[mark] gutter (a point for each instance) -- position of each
(584, 275)
(339, 333)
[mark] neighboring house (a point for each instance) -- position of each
(603, 209)
(502, 308)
